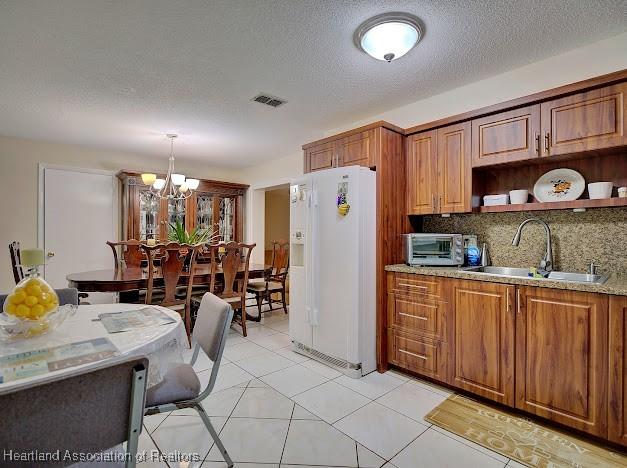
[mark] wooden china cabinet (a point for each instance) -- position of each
(214, 205)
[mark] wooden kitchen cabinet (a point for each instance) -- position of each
(561, 357)
(483, 339)
(417, 353)
(422, 173)
(587, 121)
(214, 205)
(617, 405)
(354, 150)
(439, 172)
(357, 150)
(506, 137)
(454, 171)
(320, 157)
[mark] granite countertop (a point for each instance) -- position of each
(615, 284)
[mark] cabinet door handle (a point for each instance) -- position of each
(412, 286)
(419, 356)
(538, 144)
(518, 301)
(418, 317)
(547, 138)
(433, 202)
(507, 304)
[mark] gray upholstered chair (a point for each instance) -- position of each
(66, 296)
(88, 411)
(180, 387)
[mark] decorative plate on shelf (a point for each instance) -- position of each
(559, 185)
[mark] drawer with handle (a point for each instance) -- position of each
(420, 315)
(416, 354)
(417, 284)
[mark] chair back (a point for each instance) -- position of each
(16, 260)
(132, 254)
(172, 258)
(233, 258)
(212, 326)
(280, 260)
(87, 411)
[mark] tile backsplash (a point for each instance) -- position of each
(598, 235)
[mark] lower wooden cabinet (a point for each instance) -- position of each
(482, 350)
(417, 353)
(617, 411)
(544, 351)
(561, 357)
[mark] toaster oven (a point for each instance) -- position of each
(433, 249)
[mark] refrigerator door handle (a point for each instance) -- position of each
(313, 305)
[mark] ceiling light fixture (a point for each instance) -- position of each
(174, 186)
(388, 36)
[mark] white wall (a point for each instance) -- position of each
(586, 62)
(19, 160)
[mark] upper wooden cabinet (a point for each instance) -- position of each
(482, 357)
(561, 357)
(439, 172)
(358, 149)
(320, 157)
(454, 172)
(617, 411)
(587, 121)
(214, 205)
(422, 173)
(506, 137)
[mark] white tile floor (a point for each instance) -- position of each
(277, 408)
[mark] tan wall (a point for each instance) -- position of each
(19, 160)
(579, 64)
(277, 216)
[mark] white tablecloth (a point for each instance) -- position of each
(163, 344)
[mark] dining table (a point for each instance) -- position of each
(80, 338)
(129, 281)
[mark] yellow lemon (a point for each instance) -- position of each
(49, 306)
(22, 310)
(17, 297)
(32, 282)
(31, 300)
(44, 287)
(37, 311)
(33, 290)
(10, 309)
(45, 298)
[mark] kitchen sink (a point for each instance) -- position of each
(509, 272)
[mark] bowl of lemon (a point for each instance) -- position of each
(32, 308)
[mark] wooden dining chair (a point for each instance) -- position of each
(173, 259)
(16, 261)
(233, 259)
(274, 279)
(132, 254)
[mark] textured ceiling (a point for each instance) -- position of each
(120, 74)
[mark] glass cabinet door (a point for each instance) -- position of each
(204, 211)
(227, 219)
(176, 211)
(148, 215)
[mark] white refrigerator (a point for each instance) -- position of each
(332, 268)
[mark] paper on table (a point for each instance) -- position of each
(116, 322)
(41, 361)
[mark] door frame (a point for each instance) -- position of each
(256, 214)
(41, 202)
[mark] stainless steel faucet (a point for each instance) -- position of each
(546, 265)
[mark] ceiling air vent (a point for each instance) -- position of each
(268, 100)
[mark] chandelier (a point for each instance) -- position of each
(174, 186)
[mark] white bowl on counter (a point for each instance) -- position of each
(600, 190)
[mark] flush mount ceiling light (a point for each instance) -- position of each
(388, 36)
